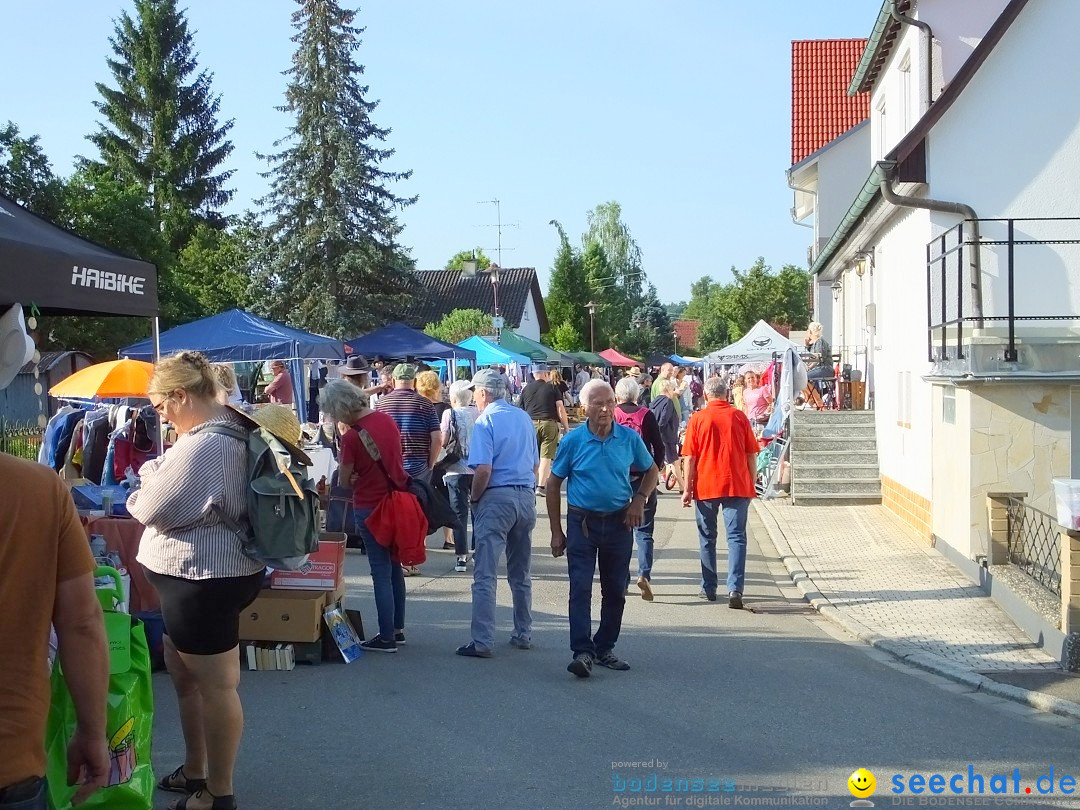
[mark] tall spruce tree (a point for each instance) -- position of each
(161, 126)
(337, 267)
(568, 293)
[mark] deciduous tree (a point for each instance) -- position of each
(460, 324)
(457, 261)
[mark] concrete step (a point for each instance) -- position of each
(832, 499)
(837, 444)
(803, 471)
(831, 458)
(836, 486)
(834, 417)
(830, 430)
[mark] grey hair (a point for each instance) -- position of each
(627, 390)
(715, 388)
(341, 399)
(590, 389)
(668, 384)
(460, 394)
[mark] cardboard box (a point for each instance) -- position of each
(279, 615)
(327, 570)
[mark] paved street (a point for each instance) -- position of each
(774, 696)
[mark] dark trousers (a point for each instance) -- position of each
(459, 488)
(593, 540)
(28, 795)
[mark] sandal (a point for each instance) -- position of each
(178, 782)
(220, 802)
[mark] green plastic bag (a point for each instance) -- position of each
(129, 720)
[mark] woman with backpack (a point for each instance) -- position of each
(200, 571)
(457, 426)
(643, 422)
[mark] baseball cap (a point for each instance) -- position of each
(489, 380)
(404, 371)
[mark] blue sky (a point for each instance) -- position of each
(680, 111)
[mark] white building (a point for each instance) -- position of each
(974, 120)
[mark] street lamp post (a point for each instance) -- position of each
(592, 330)
(675, 334)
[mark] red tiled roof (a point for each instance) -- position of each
(687, 331)
(821, 109)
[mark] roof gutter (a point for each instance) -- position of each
(811, 192)
(887, 174)
(864, 201)
(928, 39)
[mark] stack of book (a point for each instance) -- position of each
(270, 657)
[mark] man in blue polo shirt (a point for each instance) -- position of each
(603, 510)
(504, 456)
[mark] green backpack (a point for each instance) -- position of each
(283, 503)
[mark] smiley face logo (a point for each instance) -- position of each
(862, 783)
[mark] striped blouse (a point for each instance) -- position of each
(184, 535)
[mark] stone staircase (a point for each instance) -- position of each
(834, 458)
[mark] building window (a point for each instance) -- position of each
(948, 404)
(905, 95)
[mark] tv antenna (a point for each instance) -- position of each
(499, 226)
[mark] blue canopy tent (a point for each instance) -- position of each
(237, 336)
(491, 354)
(396, 341)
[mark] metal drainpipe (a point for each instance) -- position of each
(813, 194)
(928, 38)
(975, 259)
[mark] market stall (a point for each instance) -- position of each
(760, 344)
(396, 341)
(238, 336)
(618, 360)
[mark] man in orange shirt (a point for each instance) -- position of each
(721, 463)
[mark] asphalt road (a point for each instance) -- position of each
(772, 705)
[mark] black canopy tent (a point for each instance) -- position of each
(61, 273)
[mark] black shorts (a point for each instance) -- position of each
(202, 616)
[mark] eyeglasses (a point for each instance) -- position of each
(160, 407)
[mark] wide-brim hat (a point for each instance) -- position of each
(357, 364)
(281, 421)
(634, 372)
(16, 346)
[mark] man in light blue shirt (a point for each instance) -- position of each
(596, 459)
(503, 455)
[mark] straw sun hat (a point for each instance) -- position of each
(281, 421)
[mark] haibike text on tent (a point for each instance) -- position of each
(106, 280)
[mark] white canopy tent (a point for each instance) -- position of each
(757, 345)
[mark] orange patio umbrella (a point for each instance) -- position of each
(116, 378)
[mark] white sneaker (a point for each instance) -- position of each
(462, 565)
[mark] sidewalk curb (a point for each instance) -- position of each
(925, 661)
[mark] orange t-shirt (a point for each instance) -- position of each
(42, 544)
(721, 438)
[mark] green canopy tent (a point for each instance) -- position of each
(590, 359)
(537, 352)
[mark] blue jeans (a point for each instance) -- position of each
(592, 541)
(459, 488)
(735, 510)
(387, 580)
(643, 538)
(504, 518)
(37, 801)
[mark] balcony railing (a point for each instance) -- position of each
(1003, 296)
(1034, 540)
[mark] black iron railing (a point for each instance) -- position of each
(1005, 290)
(22, 439)
(1034, 541)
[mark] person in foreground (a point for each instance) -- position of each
(199, 569)
(721, 462)
(597, 459)
(47, 576)
(503, 456)
(349, 405)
